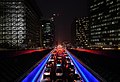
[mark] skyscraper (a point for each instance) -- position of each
(105, 23)
(19, 24)
(48, 33)
(80, 32)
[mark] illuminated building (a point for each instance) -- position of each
(66, 44)
(80, 32)
(19, 24)
(48, 33)
(105, 23)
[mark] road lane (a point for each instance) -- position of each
(63, 57)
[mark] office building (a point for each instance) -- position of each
(105, 23)
(19, 24)
(80, 32)
(48, 33)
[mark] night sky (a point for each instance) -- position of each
(65, 11)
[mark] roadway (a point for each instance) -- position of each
(61, 66)
(32, 64)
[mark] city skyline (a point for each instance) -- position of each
(22, 27)
(65, 11)
(60, 40)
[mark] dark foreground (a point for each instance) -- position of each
(12, 67)
(107, 67)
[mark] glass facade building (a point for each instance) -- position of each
(19, 25)
(80, 32)
(48, 33)
(105, 23)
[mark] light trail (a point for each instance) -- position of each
(88, 77)
(90, 51)
(32, 77)
(37, 74)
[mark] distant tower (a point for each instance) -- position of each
(48, 33)
(80, 32)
